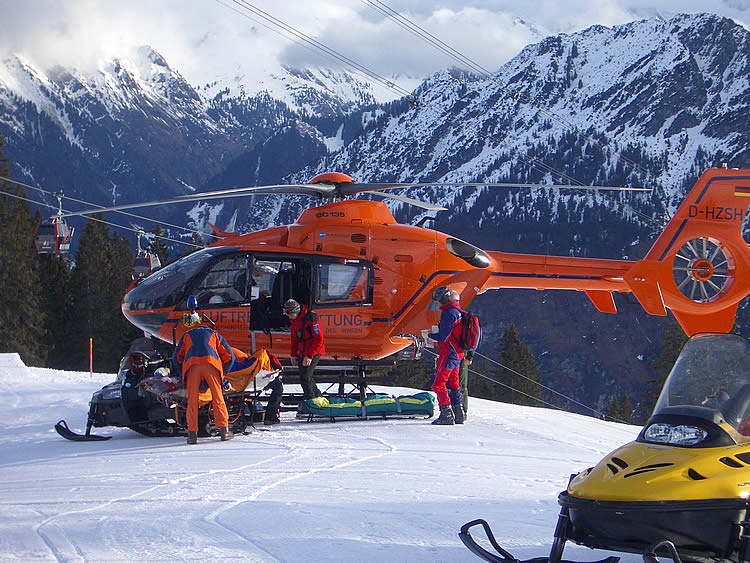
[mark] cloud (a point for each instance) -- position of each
(206, 40)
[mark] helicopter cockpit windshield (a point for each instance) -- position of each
(166, 287)
(710, 380)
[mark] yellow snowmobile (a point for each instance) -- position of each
(680, 490)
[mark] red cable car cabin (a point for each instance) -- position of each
(53, 237)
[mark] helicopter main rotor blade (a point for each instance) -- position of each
(337, 190)
(363, 187)
(222, 194)
(315, 190)
(411, 201)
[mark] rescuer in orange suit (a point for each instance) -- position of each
(203, 355)
(307, 344)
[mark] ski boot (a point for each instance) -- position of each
(457, 405)
(192, 437)
(446, 416)
(225, 434)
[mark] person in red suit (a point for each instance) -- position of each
(307, 344)
(449, 358)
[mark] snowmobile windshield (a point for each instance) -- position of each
(166, 287)
(710, 377)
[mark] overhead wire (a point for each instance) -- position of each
(428, 37)
(535, 382)
(533, 162)
(314, 45)
(55, 207)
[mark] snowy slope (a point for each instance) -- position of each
(657, 99)
(395, 490)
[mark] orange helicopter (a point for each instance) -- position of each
(370, 279)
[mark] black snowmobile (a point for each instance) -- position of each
(681, 489)
(144, 398)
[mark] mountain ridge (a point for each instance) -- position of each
(650, 103)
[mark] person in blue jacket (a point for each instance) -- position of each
(203, 355)
(449, 357)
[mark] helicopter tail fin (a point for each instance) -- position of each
(699, 267)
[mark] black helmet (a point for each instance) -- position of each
(291, 307)
(444, 295)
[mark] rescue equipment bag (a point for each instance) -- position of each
(471, 331)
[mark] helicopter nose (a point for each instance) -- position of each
(148, 306)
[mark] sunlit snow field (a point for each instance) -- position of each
(393, 490)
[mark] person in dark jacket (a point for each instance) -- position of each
(204, 355)
(449, 357)
(307, 344)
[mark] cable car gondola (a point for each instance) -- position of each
(53, 236)
(145, 262)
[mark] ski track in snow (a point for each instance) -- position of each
(376, 491)
(52, 519)
(214, 517)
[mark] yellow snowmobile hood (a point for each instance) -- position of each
(645, 472)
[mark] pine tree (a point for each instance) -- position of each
(21, 317)
(518, 371)
(101, 276)
(672, 342)
(619, 409)
(197, 241)
(55, 273)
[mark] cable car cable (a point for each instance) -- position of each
(425, 35)
(314, 45)
(412, 27)
(84, 202)
(533, 162)
(16, 196)
(562, 395)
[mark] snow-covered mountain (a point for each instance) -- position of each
(649, 103)
(135, 126)
(316, 91)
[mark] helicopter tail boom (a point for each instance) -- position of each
(699, 267)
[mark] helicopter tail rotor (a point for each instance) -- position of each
(700, 265)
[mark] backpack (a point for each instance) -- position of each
(471, 331)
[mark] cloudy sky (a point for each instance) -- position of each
(205, 39)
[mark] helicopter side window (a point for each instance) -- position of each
(225, 283)
(273, 282)
(343, 283)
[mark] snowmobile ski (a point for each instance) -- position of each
(68, 434)
(504, 556)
